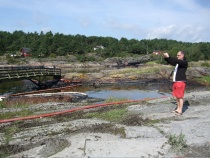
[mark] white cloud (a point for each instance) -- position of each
(190, 33)
(175, 19)
(84, 21)
(161, 32)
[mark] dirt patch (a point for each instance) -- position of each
(134, 120)
(108, 128)
(36, 100)
(50, 147)
(196, 151)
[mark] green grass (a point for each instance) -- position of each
(199, 63)
(112, 115)
(2, 104)
(13, 104)
(205, 64)
(21, 113)
(142, 70)
(204, 80)
(9, 132)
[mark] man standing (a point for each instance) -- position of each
(179, 78)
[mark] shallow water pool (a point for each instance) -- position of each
(134, 94)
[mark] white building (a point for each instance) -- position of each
(98, 47)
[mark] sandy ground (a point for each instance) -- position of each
(100, 138)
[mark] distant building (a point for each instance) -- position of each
(98, 47)
(25, 52)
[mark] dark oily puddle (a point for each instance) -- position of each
(132, 94)
(131, 91)
(118, 90)
(136, 91)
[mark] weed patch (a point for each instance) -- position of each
(112, 115)
(137, 120)
(143, 70)
(204, 80)
(2, 104)
(177, 142)
(205, 64)
(9, 132)
(108, 128)
(22, 113)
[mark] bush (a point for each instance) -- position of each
(52, 55)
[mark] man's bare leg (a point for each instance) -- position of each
(180, 103)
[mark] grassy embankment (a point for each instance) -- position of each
(204, 79)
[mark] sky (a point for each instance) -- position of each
(181, 20)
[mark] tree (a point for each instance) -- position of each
(80, 45)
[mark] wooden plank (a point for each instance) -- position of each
(27, 72)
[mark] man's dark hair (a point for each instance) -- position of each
(183, 52)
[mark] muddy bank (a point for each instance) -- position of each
(141, 74)
(113, 70)
(142, 129)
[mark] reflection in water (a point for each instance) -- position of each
(132, 91)
(125, 94)
(10, 87)
(122, 91)
(16, 87)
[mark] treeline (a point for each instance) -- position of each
(58, 44)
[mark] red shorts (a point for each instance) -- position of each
(178, 89)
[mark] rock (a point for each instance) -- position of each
(95, 137)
